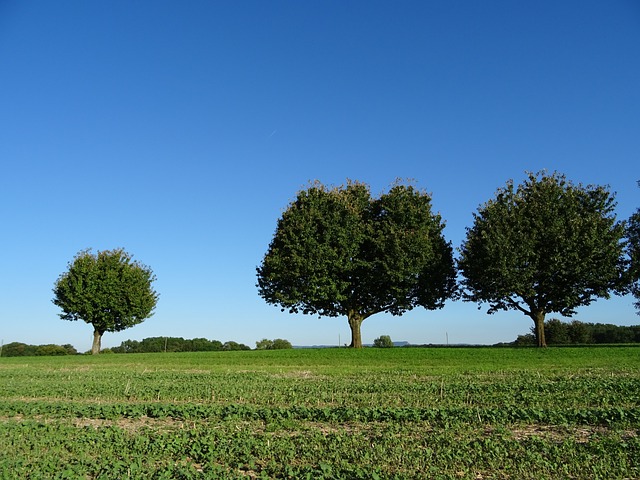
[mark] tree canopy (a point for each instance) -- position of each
(546, 246)
(277, 344)
(633, 250)
(383, 341)
(575, 332)
(107, 290)
(338, 251)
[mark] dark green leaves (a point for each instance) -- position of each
(107, 290)
(547, 246)
(338, 251)
(633, 251)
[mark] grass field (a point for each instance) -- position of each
(473, 413)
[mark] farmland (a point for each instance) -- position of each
(456, 413)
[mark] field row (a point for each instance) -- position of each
(294, 449)
(440, 417)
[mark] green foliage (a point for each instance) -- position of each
(526, 340)
(579, 333)
(556, 332)
(231, 345)
(264, 344)
(281, 344)
(338, 251)
(107, 290)
(168, 344)
(277, 344)
(546, 246)
(329, 413)
(17, 349)
(633, 251)
(383, 341)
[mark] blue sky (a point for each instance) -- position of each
(181, 130)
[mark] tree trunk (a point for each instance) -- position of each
(538, 321)
(97, 338)
(355, 320)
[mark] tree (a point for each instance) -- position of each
(547, 246)
(579, 333)
(18, 349)
(281, 344)
(556, 332)
(633, 251)
(205, 345)
(264, 344)
(338, 251)
(107, 290)
(277, 344)
(383, 341)
(231, 345)
(50, 350)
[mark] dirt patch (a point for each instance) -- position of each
(559, 434)
(298, 374)
(128, 424)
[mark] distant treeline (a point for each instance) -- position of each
(147, 345)
(579, 333)
(175, 344)
(556, 332)
(17, 349)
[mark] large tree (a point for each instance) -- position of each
(338, 251)
(108, 290)
(546, 246)
(633, 250)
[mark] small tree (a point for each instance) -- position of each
(547, 246)
(107, 290)
(383, 341)
(338, 251)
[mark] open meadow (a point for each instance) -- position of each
(459, 413)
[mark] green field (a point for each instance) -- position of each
(456, 413)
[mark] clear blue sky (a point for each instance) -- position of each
(181, 130)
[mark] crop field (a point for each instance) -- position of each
(456, 413)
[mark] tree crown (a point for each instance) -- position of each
(338, 251)
(633, 252)
(546, 246)
(107, 289)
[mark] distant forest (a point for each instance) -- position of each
(575, 332)
(556, 331)
(175, 344)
